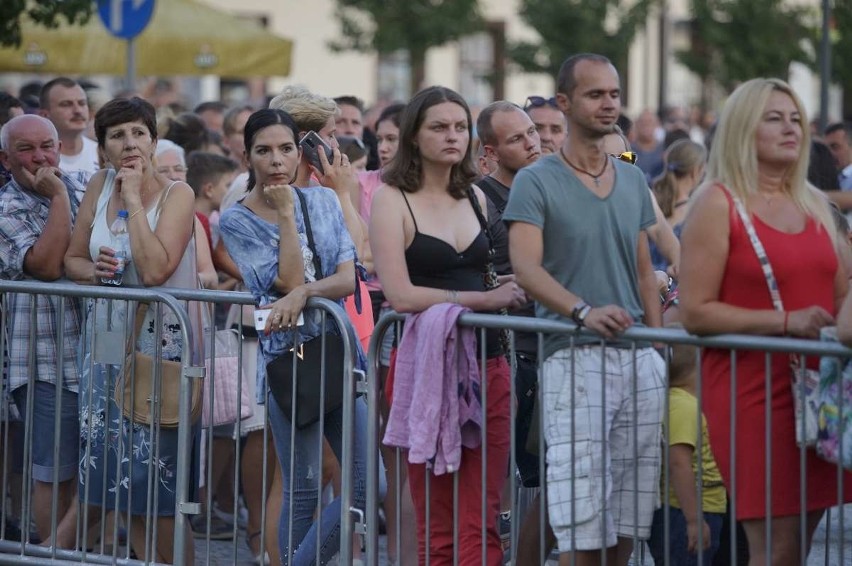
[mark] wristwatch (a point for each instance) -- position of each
(580, 312)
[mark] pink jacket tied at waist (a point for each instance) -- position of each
(436, 366)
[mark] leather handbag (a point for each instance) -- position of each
(301, 399)
(294, 378)
(135, 385)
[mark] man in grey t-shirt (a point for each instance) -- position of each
(578, 245)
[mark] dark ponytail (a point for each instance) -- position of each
(681, 159)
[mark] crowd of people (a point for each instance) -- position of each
(561, 208)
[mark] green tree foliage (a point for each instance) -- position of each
(841, 37)
(48, 13)
(566, 27)
(413, 26)
(736, 40)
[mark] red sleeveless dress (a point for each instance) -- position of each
(805, 265)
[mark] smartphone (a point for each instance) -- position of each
(311, 144)
(261, 314)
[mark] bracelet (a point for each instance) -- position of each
(786, 319)
(452, 296)
(140, 209)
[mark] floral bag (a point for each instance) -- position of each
(834, 418)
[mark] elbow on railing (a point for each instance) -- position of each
(403, 306)
(403, 302)
(48, 273)
(694, 320)
(154, 279)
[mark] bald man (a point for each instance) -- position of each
(37, 211)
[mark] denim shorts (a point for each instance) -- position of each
(43, 438)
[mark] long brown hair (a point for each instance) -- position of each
(406, 169)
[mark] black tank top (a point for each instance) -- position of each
(434, 263)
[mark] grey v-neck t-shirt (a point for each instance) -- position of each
(589, 242)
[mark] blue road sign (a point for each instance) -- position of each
(125, 18)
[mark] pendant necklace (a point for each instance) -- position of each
(595, 178)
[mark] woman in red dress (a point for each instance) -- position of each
(760, 156)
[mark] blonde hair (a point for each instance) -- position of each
(310, 111)
(733, 156)
(165, 117)
(681, 159)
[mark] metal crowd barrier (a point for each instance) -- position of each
(834, 521)
(367, 524)
(21, 553)
(211, 552)
(332, 314)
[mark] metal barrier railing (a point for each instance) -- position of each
(65, 291)
(737, 345)
(368, 524)
(333, 314)
(176, 300)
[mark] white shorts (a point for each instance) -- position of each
(603, 444)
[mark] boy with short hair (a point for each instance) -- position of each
(682, 436)
(209, 175)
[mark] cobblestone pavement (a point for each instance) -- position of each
(221, 553)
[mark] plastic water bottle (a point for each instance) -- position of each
(120, 242)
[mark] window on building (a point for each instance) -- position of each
(394, 76)
(481, 65)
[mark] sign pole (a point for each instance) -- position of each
(126, 19)
(131, 65)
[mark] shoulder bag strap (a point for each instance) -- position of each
(141, 311)
(310, 234)
(758, 250)
(491, 194)
(483, 222)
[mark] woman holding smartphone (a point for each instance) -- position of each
(265, 234)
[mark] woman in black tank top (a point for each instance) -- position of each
(429, 248)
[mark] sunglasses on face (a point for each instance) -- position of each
(627, 156)
(539, 101)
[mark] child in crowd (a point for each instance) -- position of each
(683, 473)
(209, 175)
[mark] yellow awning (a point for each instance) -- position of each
(183, 38)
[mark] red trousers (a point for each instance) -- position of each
(470, 490)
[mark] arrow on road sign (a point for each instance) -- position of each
(125, 18)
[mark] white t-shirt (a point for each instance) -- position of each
(86, 160)
(236, 191)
